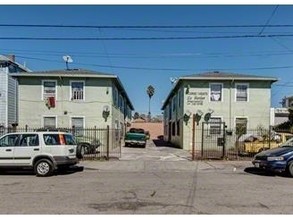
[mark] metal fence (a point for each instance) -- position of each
(229, 144)
(100, 143)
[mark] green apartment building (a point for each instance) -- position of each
(220, 102)
(74, 97)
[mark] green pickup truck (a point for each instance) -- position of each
(135, 137)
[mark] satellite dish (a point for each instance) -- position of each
(67, 60)
(106, 108)
(173, 79)
(188, 112)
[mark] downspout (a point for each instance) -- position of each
(230, 105)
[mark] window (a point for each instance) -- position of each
(77, 90)
(49, 89)
(241, 92)
(215, 125)
(216, 92)
(179, 97)
(173, 129)
(120, 102)
(174, 103)
(115, 97)
(178, 128)
(9, 140)
(29, 140)
(50, 122)
(78, 124)
(51, 139)
(241, 126)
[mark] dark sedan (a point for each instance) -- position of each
(276, 160)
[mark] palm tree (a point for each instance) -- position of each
(150, 92)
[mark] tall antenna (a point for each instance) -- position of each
(67, 60)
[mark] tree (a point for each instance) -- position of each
(150, 92)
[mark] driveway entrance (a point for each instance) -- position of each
(156, 151)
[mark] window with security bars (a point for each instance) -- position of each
(49, 122)
(241, 92)
(241, 126)
(215, 125)
(49, 89)
(77, 90)
(78, 125)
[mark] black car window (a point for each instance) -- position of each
(9, 140)
(69, 139)
(51, 139)
(29, 140)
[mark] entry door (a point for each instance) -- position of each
(7, 146)
(28, 148)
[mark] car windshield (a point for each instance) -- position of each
(136, 130)
(288, 143)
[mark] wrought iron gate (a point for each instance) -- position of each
(213, 140)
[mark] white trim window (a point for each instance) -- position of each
(216, 92)
(77, 90)
(78, 124)
(49, 121)
(241, 125)
(49, 89)
(215, 125)
(241, 92)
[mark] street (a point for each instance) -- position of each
(155, 180)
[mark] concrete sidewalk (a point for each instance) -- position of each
(161, 157)
(176, 166)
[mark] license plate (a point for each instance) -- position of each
(256, 165)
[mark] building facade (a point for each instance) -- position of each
(67, 98)
(216, 99)
(8, 90)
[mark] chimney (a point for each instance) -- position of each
(11, 57)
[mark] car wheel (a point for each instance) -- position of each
(43, 167)
(290, 168)
(80, 151)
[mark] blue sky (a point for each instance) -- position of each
(140, 63)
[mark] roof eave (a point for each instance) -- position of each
(231, 78)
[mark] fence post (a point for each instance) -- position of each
(202, 138)
(108, 141)
(26, 128)
(193, 137)
(270, 136)
(224, 140)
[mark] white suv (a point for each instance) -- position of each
(42, 151)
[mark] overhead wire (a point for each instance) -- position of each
(147, 26)
(145, 38)
(269, 19)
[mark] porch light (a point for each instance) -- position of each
(106, 112)
(186, 117)
(197, 116)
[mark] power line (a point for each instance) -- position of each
(163, 69)
(155, 55)
(145, 38)
(146, 26)
(268, 21)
